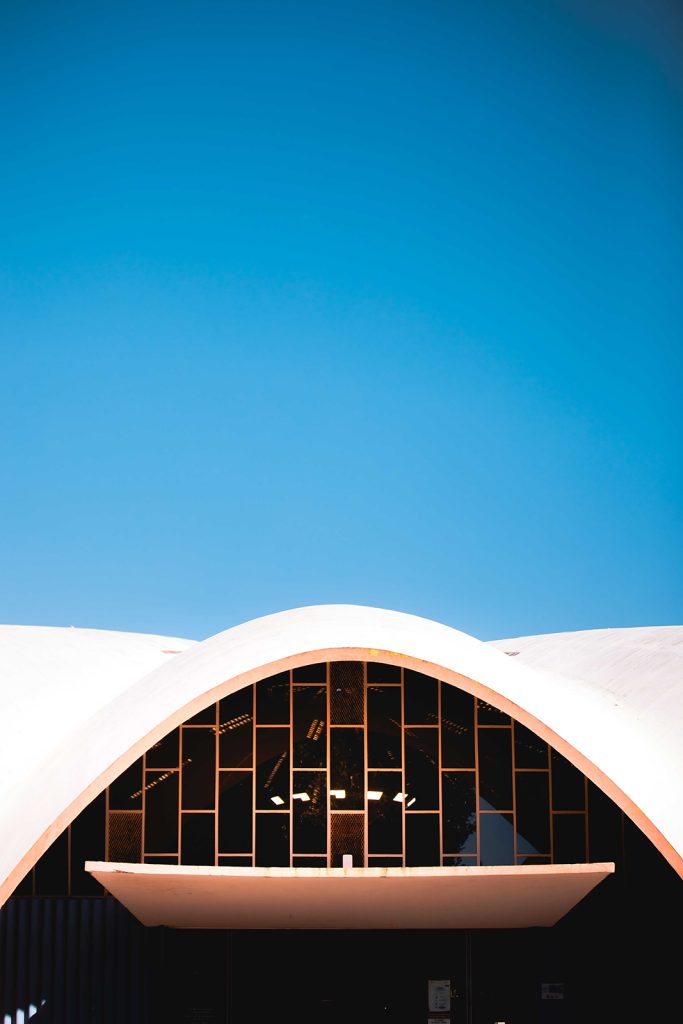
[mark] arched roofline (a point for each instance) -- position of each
(575, 720)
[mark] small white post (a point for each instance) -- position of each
(347, 860)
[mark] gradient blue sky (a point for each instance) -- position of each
(373, 302)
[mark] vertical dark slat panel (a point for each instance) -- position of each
(134, 971)
(10, 958)
(120, 985)
(84, 962)
(97, 940)
(59, 961)
(21, 1002)
(47, 954)
(110, 962)
(71, 966)
(34, 987)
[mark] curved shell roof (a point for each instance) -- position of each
(78, 706)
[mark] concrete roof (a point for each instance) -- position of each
(78, 706)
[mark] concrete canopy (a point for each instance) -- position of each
(79, 706)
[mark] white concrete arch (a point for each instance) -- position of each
(98, 728)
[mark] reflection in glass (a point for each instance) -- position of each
(495, 769)
(234, 812)
(310, 731)
(568, 784)
(422, 769)
(385, 815)
(533, 812)
(197, 839)
(309, 812)
(272, 700)
(384, 727)
(457, 727)
(165, 753)
(199, 769)
(272, 840)
(125, 792)
(421, 697)
(569, 838)
(161, 812)
(236, 729)
(459, 812)
(530, 750)
(496, 839)
(487, 714)
(347, 765)
(422, 839)
(460, 861)
(346, 693)
(207, 716)
(272, 768)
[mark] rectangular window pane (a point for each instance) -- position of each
(533, 812)
(487, 714)
(161, 812)
(496, 839)
(207, 716)
(569, 838)
(165, 753)
(125, 792)
(347, 769)
(604, 826)
(272, 840)
(311, 673)
(52, 870)
(385, 814)
(236, 729)
(459, 812)
(234, 862)
(309, 862)
(198, 839)
(384, 727)
(309, 812)
(346, 837)
(87, 843)
(495, 769)
(568, 785)
(421, 696)
(199, 769)
(379, 673)
(457, 727)
(346, 693)
(530, 750)
(272, 700)
(272, 768)
(422, 840)
(422, 769)
(310, 726)
(234, 812)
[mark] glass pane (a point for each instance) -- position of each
(569, 838)
(310, 731)
(347, 757)
(487, 714)
(385, 814)
(495, 769)
(604, 826)
(52, 870)
(460, 861)
(422, 769)
(272, 700)
(125, 837)
(422, 840)
(457, 727)
(125, 792)
(207, 716)
(385, 862)
(496, 839)
(309, 862)
(533, 812)
(87, 843)
(530, 750)
(234, 812)
(459, 812)
(346, 837)
(272, 768)
(165, 753)
(309, 812)
(161, 812)
(311, 673)
(384, 727)
(199, 769)
(158, 858)
(236, 729)
(568, 784)
(272, 840)
(533, 860)
(379, 673)
(234, 862)
(421, 695)
(198, 839)
(346, 693)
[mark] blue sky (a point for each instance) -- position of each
(369, 302)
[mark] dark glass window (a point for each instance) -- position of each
(459, 812)
(161, 812)
(385, 862)
(530, 750)
(457, 727)
(422, 839)
(234, 862)
(568, 785)
(309, 862)
(346, 693)
(422, 769)
(207, 716)
(347, 757)
(385, 814)
(234, 812)
(421, 696)
(199, 769)
(160, 859)
(310, 729)
(52, 870)
(87, 843)
(487, 714)
(236, 729)
(569, 838)
(125, 792)
(496, 839)
(346, 837)
(272, 700)
(272, 768)
(533, 812)
(379, 673)
(460, 861)
(197, 839)
(311, 673)
(384, 727)
(309, 812)
(604, 826)
(272, 840)
(165, 753)
(495, 769)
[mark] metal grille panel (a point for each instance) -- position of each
(347, 836)
(346, 693)
(125, 837)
